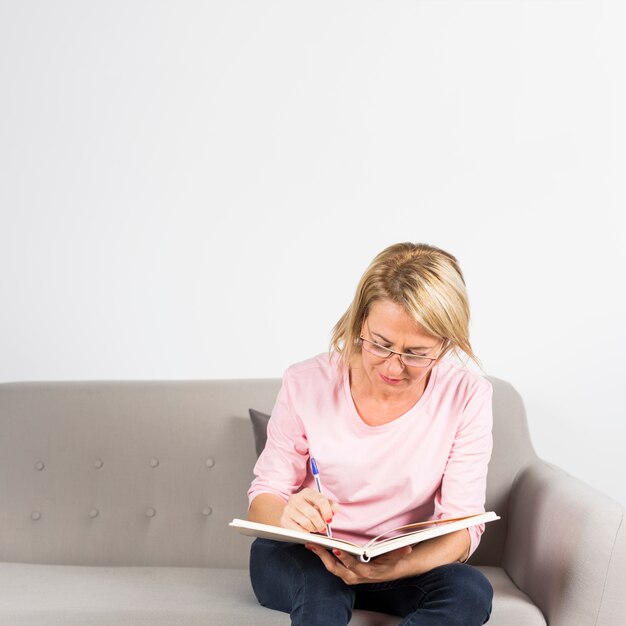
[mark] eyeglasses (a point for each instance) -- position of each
(411, 360)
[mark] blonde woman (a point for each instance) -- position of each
(401, 434)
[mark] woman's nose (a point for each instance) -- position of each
(396, 366)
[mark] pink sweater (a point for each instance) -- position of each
(429, 463)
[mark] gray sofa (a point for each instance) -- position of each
(115, 499)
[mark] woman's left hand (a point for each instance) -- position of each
(353, 572)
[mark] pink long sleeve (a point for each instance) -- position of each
(429, 463)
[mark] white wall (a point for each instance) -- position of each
(192, 189)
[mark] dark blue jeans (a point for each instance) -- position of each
(289, 578)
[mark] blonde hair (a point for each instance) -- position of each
(427, 282)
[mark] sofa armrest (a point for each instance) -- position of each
(566, 547)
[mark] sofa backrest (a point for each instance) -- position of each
(512, 452)
(127, 473)
(150, 473)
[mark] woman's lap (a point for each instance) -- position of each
(289, 578)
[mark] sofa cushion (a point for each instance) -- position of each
(57, 595)
(259, 428)
(511, 607)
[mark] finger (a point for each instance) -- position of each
(300, 514)
(297, 521)
(331, 563)
(339, 569)
(321, 503)
(325, 556)
(314, 516)
(347, 560)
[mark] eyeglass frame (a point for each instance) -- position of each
(432, 359)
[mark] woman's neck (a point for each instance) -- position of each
(376, 407)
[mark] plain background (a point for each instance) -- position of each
(193, 189)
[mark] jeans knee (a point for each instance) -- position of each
(274, 576)
(473, 589)
(287, 577)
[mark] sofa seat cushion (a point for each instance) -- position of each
(511, 607)
(158, 596)
(57, 595)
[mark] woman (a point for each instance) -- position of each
(400, 435)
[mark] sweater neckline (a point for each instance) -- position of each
(398, 420)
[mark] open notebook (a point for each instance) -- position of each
(391, 540)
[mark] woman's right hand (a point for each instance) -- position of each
(308, 510)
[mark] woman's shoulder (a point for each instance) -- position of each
(322, 364)
(318, 377)
(455, 375)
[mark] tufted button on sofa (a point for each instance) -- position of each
(115, 499)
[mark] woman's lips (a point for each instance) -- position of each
(391, 381)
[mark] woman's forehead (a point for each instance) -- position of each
(390, 318)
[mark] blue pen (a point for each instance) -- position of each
(316, 476)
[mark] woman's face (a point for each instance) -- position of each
(389, 325)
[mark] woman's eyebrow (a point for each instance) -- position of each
(414, 348)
